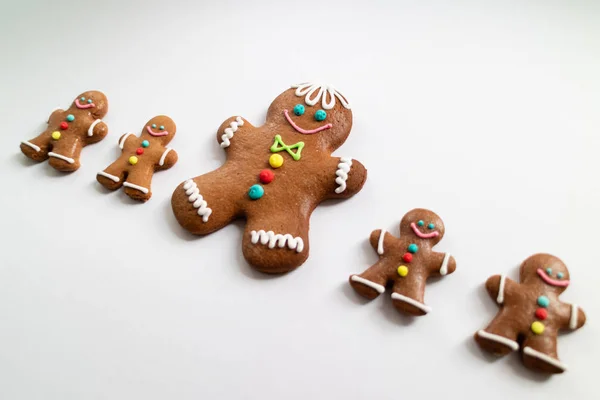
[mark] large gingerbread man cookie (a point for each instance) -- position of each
(275, 175)
(69, 131)
(140, 157)
(531, 313)
(405, 263)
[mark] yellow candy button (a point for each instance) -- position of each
(403, 270)
(133, 160)
(276, 161)
(537, 327)
(56, 135)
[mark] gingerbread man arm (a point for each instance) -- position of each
(441, 263)
(124, 138)
(55, 115)
(167, 159)
(498, 285)
(574, 317)
(381, 241)
(96, 132)
(346, 176)
(230, 128)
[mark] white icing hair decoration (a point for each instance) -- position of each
(308, 90)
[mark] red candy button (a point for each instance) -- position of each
(407, 257)
(541, 313)
(139, 151)
(64, 125)
(266, 176)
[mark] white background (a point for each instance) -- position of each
(485, 112)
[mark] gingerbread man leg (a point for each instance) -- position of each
(202, 206)
(137, 183)
(38, 148)
(372, 282)
(277, 242)
(114, 175)
(500, 336)
(65, 154)
(539, 353)
(408, 294)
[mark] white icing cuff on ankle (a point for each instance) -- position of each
(379, 288)
(64, 158)
(498, 339)
(545, 358)
(136, 187)
(33, 146)
(109, 176)
(412, 302)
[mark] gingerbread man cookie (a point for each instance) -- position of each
(141, 156)
(275, 175)
(531, 313)
(406, 262)
(69, 131)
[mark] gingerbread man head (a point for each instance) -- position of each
(318, 113)
(93, 102)
(546, 271)
(422, 226)
(159, 129)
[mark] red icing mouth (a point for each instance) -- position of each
(550, 281)
(305, 131)
(85, 105)
(421, 234)
(150, 131)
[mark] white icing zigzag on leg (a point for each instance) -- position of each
(342, 173)
(229, 132)
(270, 238)
(191, 189)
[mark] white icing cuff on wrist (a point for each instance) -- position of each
(574, 316)
(230, 131)
(191, 190)
(379, 288)
(92, 126)
(412, 302)
(33, 146)
(342, 173)
(164, 155)
(500, 298)
(545, 358)
(136, 187)
(380, 242)
(109, 176)
(123, 139)
(444, 267)
(64, 158)
(498, 339)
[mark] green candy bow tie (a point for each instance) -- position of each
(278, 146)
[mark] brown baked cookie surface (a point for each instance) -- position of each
(69, 131)
(406, 262)
(275, 175)
(531, 313)
(141, 156)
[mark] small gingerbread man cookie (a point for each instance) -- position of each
(69, 131)
(141, 156)
(531, 313)
(275, 175)
(406, 262)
